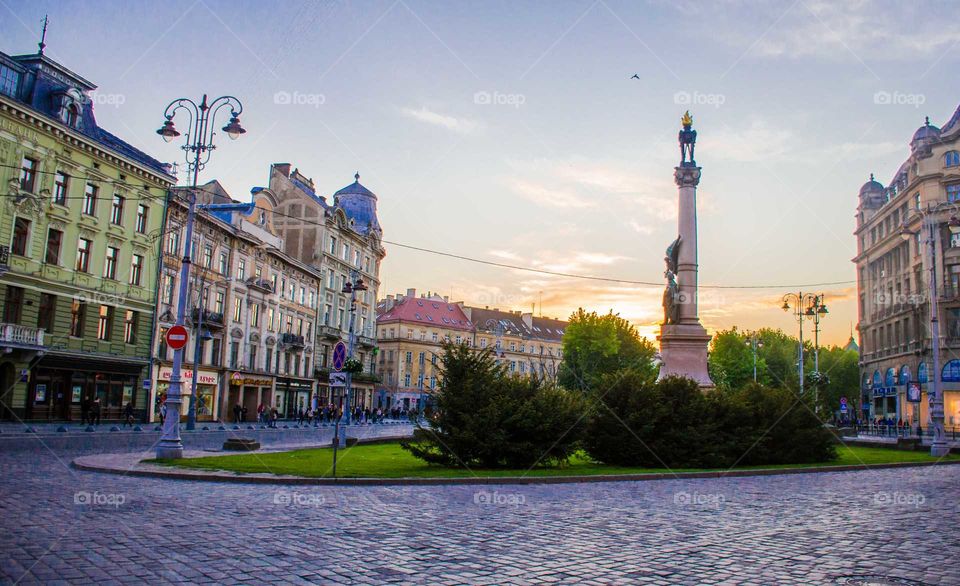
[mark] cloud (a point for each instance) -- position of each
(505, 254)
(545, 196)
(756, 141)
(640, 228)
(459, 125)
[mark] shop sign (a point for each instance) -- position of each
(884, 392)
(204, 377)
(240, 379)
(294, 385)
(913, 392)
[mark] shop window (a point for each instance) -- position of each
(13, 308)
(21, 236)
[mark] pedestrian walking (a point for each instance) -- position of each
(236, 413)
(85, 411)
(95, 412)
(128, 415)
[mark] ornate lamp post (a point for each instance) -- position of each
(815, 311)
(931, 222)
(352, 286)
(197, 147)
(799, 302)
(754, 343)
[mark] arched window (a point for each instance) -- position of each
(71, 115)
(951, 159)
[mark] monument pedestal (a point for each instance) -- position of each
(683, 351)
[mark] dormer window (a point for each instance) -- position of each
(72, 116)
(9, 81)
(263, 218)
(951, 159)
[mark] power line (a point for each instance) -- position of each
(469, 258)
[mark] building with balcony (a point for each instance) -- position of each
(341, 239)
(526, 344)
(893, 277)
(81, 220)
(253, 308)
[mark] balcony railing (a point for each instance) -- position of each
(329, 331)
(366, 341)
(294, 340)
(18, 335)
(211, 319)
(261, 284)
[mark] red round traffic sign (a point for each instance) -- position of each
(177, 337)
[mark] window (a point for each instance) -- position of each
(48, 306)
(218, 302)
(136, 269)
(253, 358)
(116, 212)
(83, 255)
(71, 116)
(110, 265)
(296, 364)
(286, 363)
(130, 327)
(28, 174)
(953, 192)
(21, 236)
(223, 267)
(104, 323)
(422, 358)
(208, 256)
(270, 316)
(90, 199)
(333, 245)
(242, 269)
(268, 360)
(215, 351)
(951, 159)
(143, 214)
(173, 242)
(406, 380)
(9, 80)
(60, 186)
(13, 306)
(237, 309)
(234, 354)
(255, 315)
(78, 312)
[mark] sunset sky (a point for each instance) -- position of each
(513, 132)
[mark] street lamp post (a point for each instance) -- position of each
(939, 446)
(754, 343)
(352, 286)
(799, 302)
(815, 311)
(197, 148)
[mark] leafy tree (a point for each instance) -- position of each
(595, 345)
(488, 418)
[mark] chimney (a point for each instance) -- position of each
(283, 168)
(412, 293)
(527, 320)
(446, 299)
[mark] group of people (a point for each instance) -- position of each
(91, 409)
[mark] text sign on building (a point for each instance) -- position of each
(204, 377)
(177, 337)
(339, 356)
(338, 379)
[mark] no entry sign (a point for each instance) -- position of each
(177, 337)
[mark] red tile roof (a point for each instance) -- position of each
(427, 312)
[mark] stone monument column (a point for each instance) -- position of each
(683, 340)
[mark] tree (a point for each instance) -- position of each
(594, 345)
(486, 417)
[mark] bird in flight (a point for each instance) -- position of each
(635, 76)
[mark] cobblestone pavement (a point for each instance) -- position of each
(78, 527)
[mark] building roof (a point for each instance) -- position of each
(45, 86)
(515, 324)
(428, 312)
(871, 186)
(927, 131)
(360, 205)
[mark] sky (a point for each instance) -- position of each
(515, 133)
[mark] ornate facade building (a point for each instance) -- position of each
(342, 240)
(893, 278)
(253, 308)
(80, 221)
(411, 332)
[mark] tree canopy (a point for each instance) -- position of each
(594, 345)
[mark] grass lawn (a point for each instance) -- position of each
(389, 460)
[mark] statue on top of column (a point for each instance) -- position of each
(688, 139)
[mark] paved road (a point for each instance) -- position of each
(800, 529)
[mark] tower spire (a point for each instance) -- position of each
(43, 36)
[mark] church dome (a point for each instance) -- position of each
(925, 133)
(360, 206)
(356, 188)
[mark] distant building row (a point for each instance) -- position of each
(411, 331)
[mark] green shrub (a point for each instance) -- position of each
(672, 424)
(485, 417)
